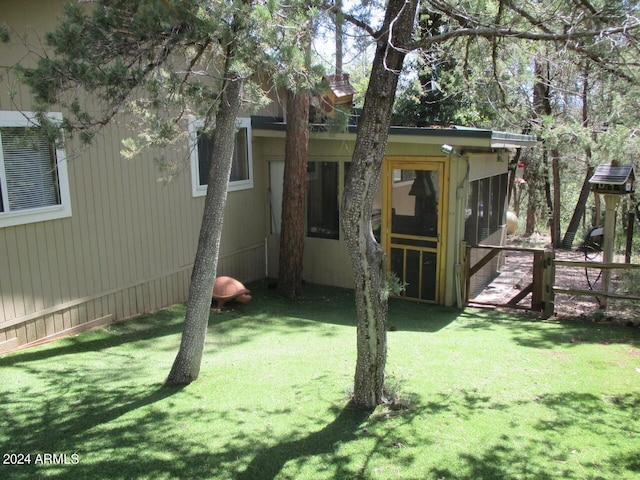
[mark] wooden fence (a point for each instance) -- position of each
(594, 292)
(530, 279)
(531, 285)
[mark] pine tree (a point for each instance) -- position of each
(165, 61)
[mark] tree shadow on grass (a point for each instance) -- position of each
(322, 304)
(334, 305)
(555, 448)
(54, 421)
(551, 333)
(268, 463)
(408, 316)
(81, 420)
(155, 327)
(147, 327)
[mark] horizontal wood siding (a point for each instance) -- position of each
(128, 247)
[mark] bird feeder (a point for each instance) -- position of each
(339, 95)
(613, 181)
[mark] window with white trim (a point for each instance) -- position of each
(34, 184)
(201, 146)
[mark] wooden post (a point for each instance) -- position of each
(549, 276)
(542, 297)
(464, 272)
(467, 275)
(611, 203)
(631, 218)
(538, 284)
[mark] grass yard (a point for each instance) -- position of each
(480, 395)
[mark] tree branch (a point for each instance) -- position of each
(355, 21)
(496, 32)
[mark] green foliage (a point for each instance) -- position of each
(393, 285)
(423, 106)
(161, 61)
(590, 83)
(629, 282)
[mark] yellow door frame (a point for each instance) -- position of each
(441, 165)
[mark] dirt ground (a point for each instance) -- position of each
(516, 273)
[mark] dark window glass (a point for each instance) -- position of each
(322, 200)
(240, 162)
(485, 212)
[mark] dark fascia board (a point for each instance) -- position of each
(493, 139)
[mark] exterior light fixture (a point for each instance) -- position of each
(448, 149)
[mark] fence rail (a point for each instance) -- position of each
(531, 279)
(593, 265)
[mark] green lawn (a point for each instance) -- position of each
(480, 395)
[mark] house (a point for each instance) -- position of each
(98, 239)
(429, 201)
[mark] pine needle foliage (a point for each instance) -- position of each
(161, 61)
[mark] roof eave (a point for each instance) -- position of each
(512, 140)
(456, 135)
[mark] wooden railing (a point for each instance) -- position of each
(595, 265)
(540, 286)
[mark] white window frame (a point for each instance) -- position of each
(199, 190)
(53, 212)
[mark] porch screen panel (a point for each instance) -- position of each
(398, 263)
(414, 238)
(485, 208)
(412, 273)
(429, 270)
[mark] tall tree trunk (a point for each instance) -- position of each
(578, 212)
(555, 207)
(367, 257)
(186, 366)
(339, 23)
(596, 218)
(537, 178)
(512, 178)
(294, 193)
(535, 186)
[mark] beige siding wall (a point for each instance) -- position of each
(327, 261)
(130, 243)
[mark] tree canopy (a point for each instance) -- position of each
(163, 60)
